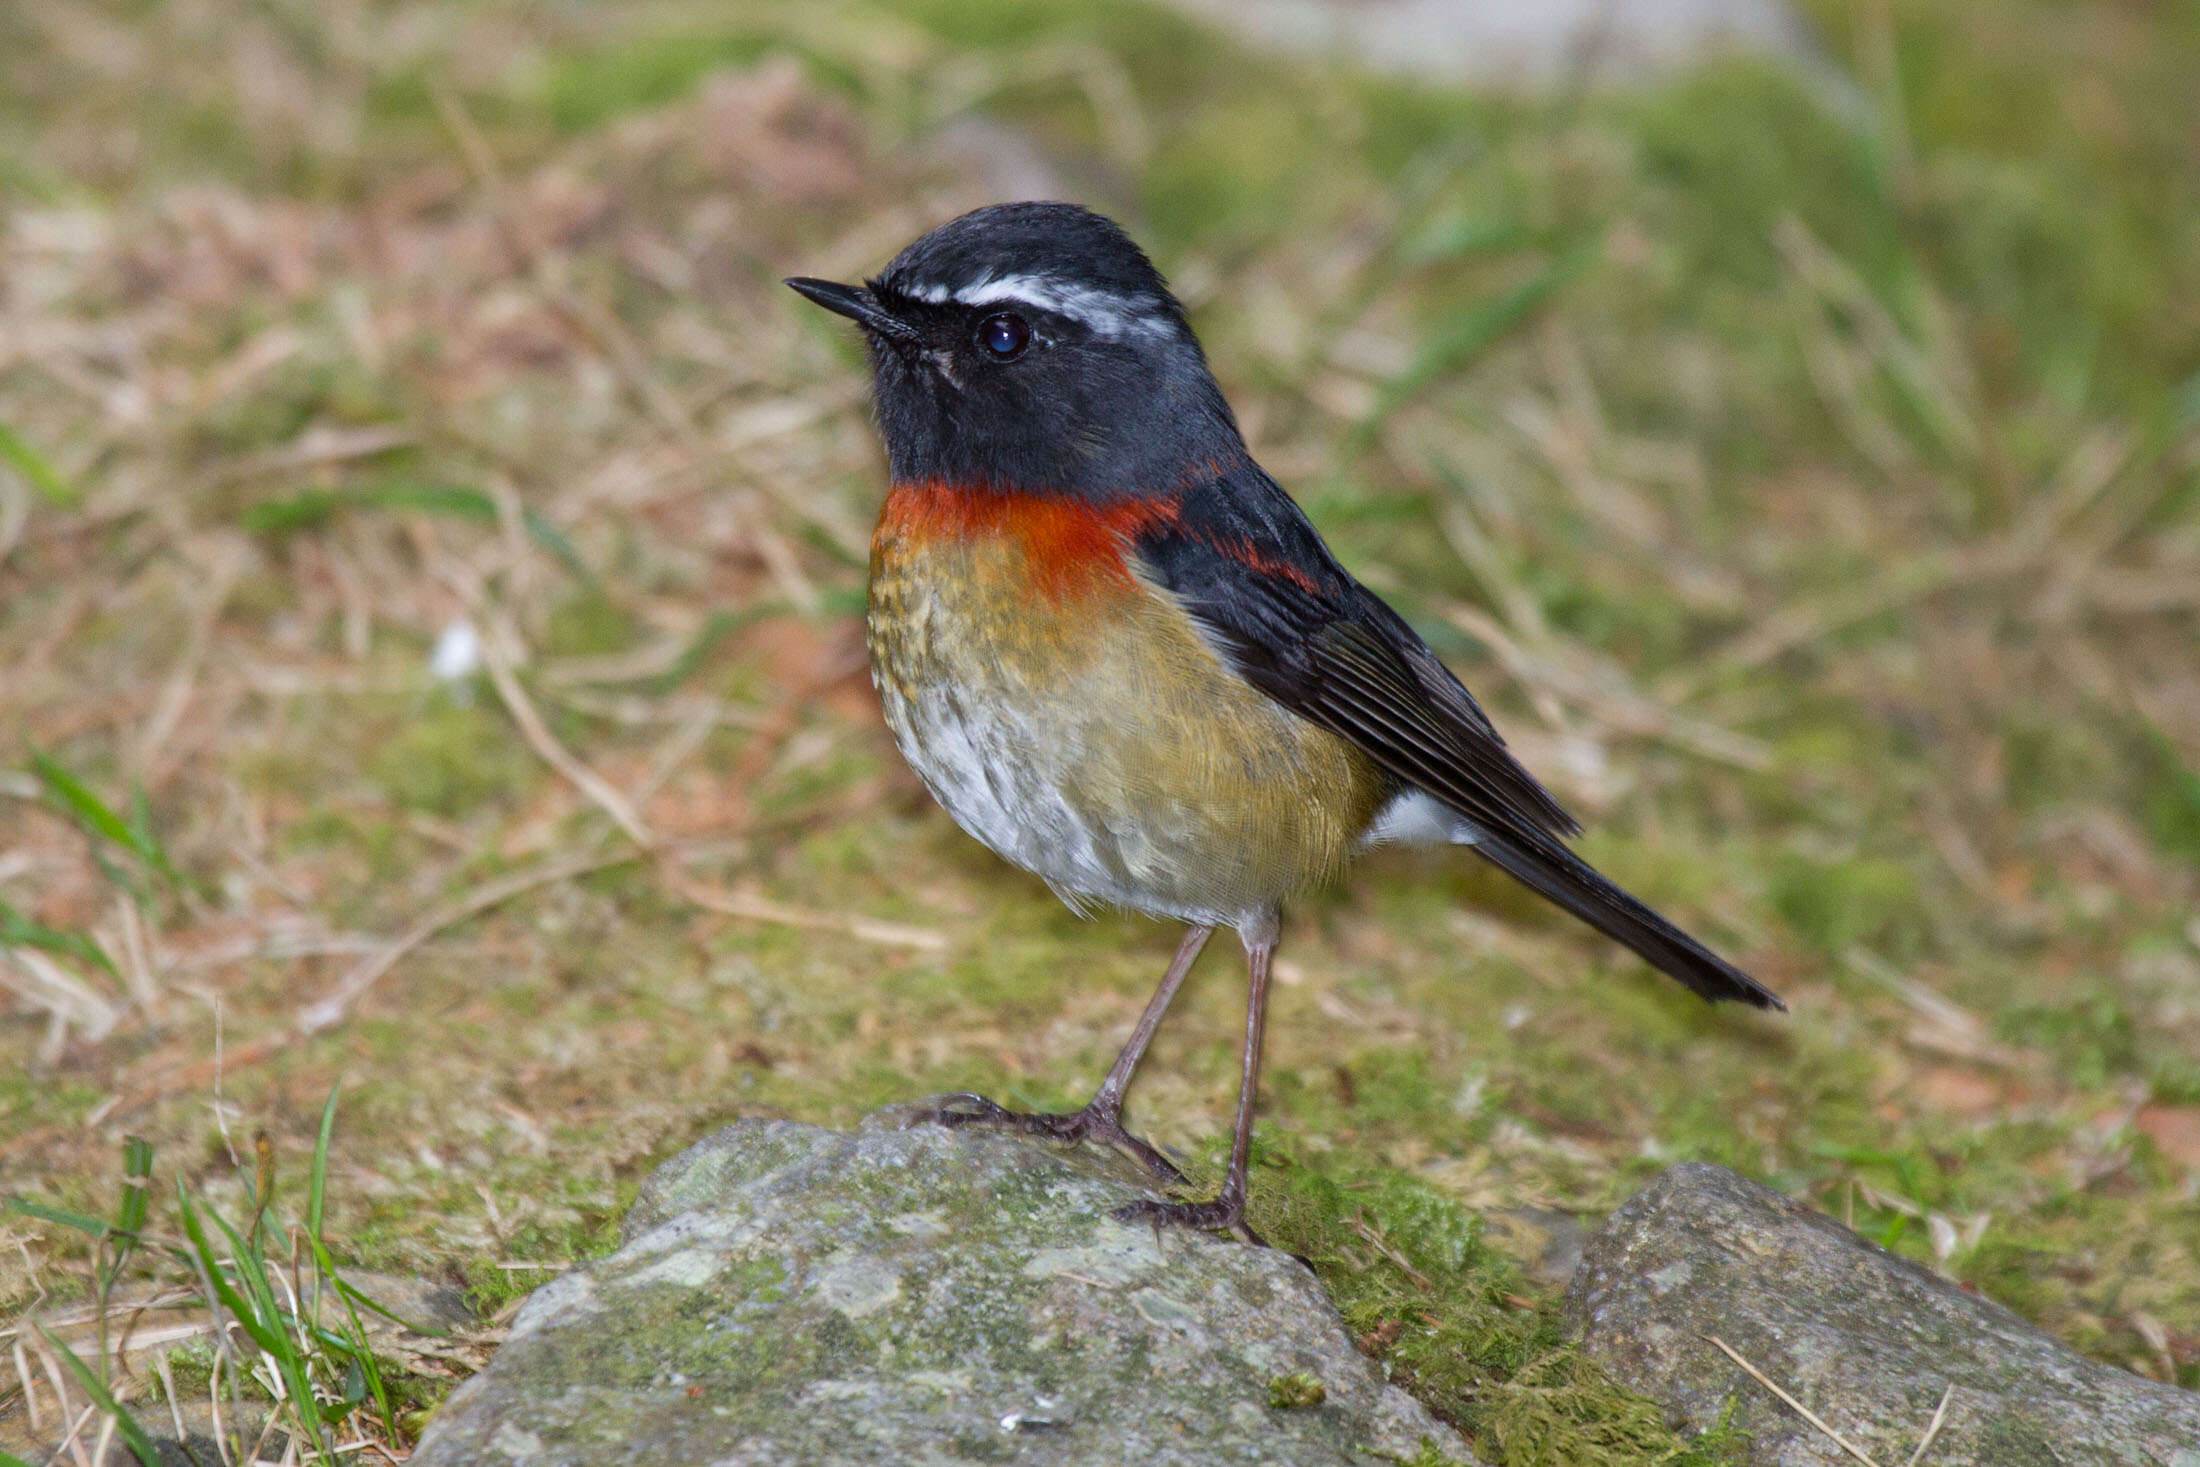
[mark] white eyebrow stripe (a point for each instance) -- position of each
(1105, 311)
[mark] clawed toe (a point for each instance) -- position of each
(1225, 1214)
(1221, 1215)
(976, 1110)
(1078, 1125)
(970, 1110)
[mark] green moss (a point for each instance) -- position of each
(1458, 1324)
(2092, 1034)
(701, 1327)
(191, 1368)
(449, 759)
(590, 623)
(1429, 1455)
(2009, 1442)
(1833, 905)
(593, 1233)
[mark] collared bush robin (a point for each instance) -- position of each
(1121, 656)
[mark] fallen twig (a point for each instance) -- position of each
(556, 755)
(755, 907)
(1924, 1444)
(1375, 1239)
(1794, 1405)
(1932, 1428)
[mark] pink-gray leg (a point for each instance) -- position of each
(1102, 1117)
(1227, 1211)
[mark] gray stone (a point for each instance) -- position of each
(921, 1297)
(1867, 1340)
(1516, 43)
(419, 1302)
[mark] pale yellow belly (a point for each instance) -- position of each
(1089, 735)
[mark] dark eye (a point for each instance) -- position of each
(1004, 337)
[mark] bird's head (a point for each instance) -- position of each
(1034, 347)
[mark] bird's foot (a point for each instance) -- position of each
(1090, 1124)
(1225, 1214)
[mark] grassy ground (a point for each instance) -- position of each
(1807, 471)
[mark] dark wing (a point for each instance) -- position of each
(1245, 562)
(1242, 558)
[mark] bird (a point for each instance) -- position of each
(1122, 657)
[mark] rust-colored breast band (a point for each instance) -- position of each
(1069, 544)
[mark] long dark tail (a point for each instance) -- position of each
(1560, 876)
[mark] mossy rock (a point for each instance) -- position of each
(910, 1294)
(1869, 1341)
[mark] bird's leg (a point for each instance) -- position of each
(1227, 1211)
(1102, 1117)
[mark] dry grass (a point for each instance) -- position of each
(455, 340)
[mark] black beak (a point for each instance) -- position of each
(857, 304)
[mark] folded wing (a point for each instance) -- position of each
(1244, 561)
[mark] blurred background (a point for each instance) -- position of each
(432, 547)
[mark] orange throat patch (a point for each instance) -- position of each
(1068, 544)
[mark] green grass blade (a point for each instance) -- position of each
(141, 829)
(305, 510)
(309, 509)
(317, 1186)
(352, 1295)
(134, 1435)
(9, 1459)
(36, 469)
(356, 1343)
(98, 818)
(282, 1346)
(554, 540)
(210, 1265)
(88, 809)
(137, 1176)
(1452, 239)
(1471, 332)
(259, 1289)
(17, 930)
(454, 501)
(131, 1209)
(61, 1215)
